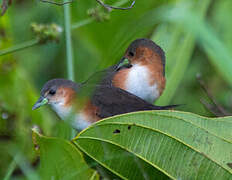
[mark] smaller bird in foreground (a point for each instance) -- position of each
(105, 101)
(141, 71)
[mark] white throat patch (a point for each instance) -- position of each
(62, 111)
(79, 121)
(139, 85)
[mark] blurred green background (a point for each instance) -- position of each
(195, 34)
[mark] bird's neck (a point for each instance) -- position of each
(79, 118)
(62, 111)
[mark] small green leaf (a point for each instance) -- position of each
(60, 159)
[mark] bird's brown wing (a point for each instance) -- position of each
(113, 101)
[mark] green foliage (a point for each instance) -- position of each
(182, 53)
(145, 145)
(65, 161)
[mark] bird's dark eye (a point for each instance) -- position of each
(131, 54)
(52, 92)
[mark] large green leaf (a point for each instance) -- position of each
(220, 127)
(144, 145)
(60, 159)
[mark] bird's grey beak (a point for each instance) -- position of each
(41, 101)
(124, 62)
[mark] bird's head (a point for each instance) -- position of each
(59, 93)
(144, 52)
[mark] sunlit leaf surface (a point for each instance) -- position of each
(165, 143)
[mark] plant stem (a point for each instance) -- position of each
(21, 46)
(82, 23)
(10, 170)
(67, 28)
